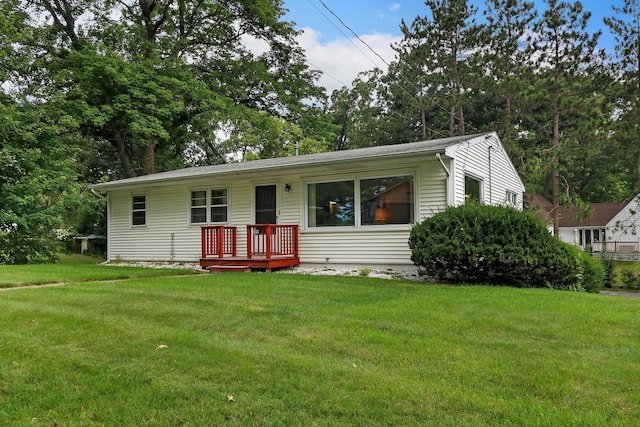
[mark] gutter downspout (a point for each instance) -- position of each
(448, 180)
(446, 169)
(490, 180)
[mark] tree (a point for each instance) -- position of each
(437, 46)
(625, 27)
(359, 113)
(152, 77)
(36, 176)
(504, 63)
(565, 55)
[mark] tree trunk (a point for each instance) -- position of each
(117, 140)
(556, 173)
(149, 159)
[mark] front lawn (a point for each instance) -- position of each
(74, 268)
(276, 349)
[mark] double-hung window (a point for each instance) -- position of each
(361, 202)
(139, 210)
(209, 206)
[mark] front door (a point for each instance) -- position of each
(265, 204)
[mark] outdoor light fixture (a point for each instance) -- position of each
(287, 188)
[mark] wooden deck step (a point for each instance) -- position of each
(229, 268)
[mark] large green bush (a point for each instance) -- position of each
(475, 243)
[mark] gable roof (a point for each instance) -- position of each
(600, 216)
(334, 160)
(539, 205)
(601, 213)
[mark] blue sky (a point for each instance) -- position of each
(333, 49)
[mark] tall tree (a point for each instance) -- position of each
(359, 113)
(625, 26)
(437, 45)
(565, 55)
(153, 76)
(503, 62)
(36, 176)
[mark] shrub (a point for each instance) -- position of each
(592, 272)
(630, 280)
(609, 271)
(476, 243)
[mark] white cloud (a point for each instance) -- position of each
(394, 7)
(341, 61)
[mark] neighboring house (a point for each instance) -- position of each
(541, 207)
(609, 227)
(346, 207)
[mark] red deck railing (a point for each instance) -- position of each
(269, 240)
(218, 240)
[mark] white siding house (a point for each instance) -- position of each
(610, 227)
(350, 207)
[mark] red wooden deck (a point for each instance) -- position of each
(269, 246)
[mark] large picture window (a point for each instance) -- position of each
(387, 200)
(209, 206)
(361, 202)
(139, 210)
(331, 204)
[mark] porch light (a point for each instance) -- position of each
(287, 188)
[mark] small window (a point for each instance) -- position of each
(472, 189)
(139, 210)
(209, 206)
(331, 204)
(387, 200)
(512, 198)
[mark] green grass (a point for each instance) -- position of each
(309, 350)
(74, 268)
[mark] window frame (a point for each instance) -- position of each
(511, 198)
(211, 205)
(356, 179)
(208, 206)
(134, 211)
(467, 197)
(324, 181)
(413, 213)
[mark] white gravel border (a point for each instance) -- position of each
(360, 271)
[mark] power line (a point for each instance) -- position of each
(342, 32)
(353, 32)
(376, 53)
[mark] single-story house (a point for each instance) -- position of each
(353, 207)
(609, 227)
